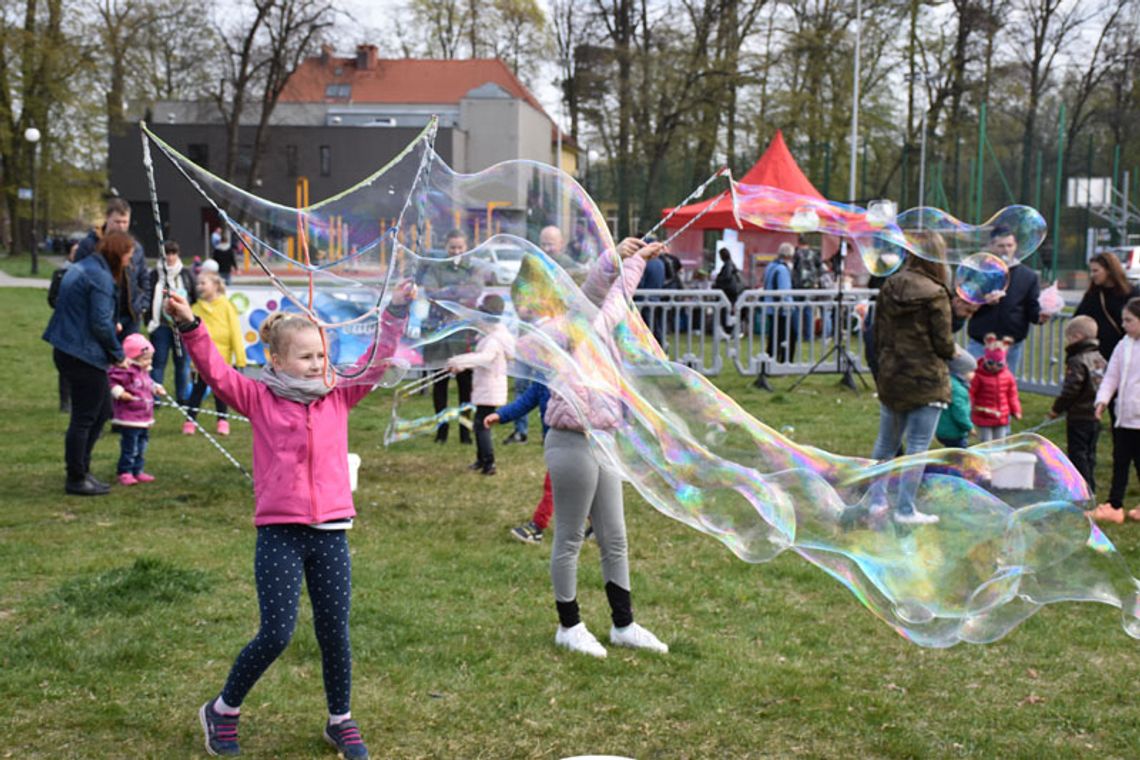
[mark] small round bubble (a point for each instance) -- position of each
(979, 276)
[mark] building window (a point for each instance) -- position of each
(291, 169)
(326, 161)
(338, 91)
(199, 153)
(244, 160)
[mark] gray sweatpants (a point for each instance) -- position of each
(582, 488)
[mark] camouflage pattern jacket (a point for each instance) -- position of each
(913, 341)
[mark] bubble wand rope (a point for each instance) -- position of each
(148, 164)
(196, 410)
(723, 171)
(1042, 425)
(214, 441)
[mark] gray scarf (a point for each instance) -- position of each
(293, 388)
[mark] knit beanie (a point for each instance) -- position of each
(962, 364)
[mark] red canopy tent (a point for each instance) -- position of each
(776, 168)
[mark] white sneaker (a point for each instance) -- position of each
(579, 639)
(915, 517)
(636, 637)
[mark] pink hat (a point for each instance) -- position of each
(134, 345)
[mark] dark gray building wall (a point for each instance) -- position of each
(354, 153)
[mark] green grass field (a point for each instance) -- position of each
(120, 615)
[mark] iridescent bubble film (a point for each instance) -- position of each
(979, 276)
(962, 240)
(1011, 536)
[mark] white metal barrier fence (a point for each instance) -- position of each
(789, 332)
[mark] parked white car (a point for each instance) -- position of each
(504, 261)
(1130, 260)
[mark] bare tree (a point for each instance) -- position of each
(33, 66)
(294, 28)
(1045, 28)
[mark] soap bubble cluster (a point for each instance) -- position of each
(1011, 537)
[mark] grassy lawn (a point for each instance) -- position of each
(20, 265)
(120, 615)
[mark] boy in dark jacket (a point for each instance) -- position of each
(1084, 369)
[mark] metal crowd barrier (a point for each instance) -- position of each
(689, 324)
(789, 332)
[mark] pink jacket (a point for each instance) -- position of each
(300, 451)
(1123, 378)
(604, 412)
(489, 360)
(139, 411)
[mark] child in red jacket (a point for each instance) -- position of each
(993, 393)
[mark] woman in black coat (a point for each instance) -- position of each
(1109, 289)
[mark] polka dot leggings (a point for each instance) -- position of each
(283, 553)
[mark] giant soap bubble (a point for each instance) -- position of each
(1011, 538)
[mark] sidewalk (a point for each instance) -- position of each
(48, 263)
(8, 281)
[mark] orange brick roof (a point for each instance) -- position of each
(401, 80)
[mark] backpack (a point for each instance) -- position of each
(53, 288)
(672, 271)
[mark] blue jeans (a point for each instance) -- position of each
(916, 427)
(522, 425)
(1012, 357)
(132, 450)
(163, 339)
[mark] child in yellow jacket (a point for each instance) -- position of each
(221, 319)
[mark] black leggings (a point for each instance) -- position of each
(484, 445)
(1125, 452)
(90, 409)
(197, 394)
(439, 400)
(284, 553)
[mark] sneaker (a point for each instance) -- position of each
(914, 517)
(221, 730)
(345, 736)
(515, 437)
(1106, 513)
(636, 637)
(188, 428)
(529, 533)
(127, 479)
(475, 466)
(223, 427)
(490, 470)
(579, 639)
(144, 477)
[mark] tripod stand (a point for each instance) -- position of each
(845, 364)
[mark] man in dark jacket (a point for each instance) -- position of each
(1012, 312)
(135, 278)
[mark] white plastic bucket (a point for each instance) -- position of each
(353, 469)
(1013, 470)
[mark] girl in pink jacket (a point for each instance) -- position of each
(489, 380)
(1122, 379)
(582, 487)
(302, 504)
(132, 406)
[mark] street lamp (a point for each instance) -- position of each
(32, 135)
